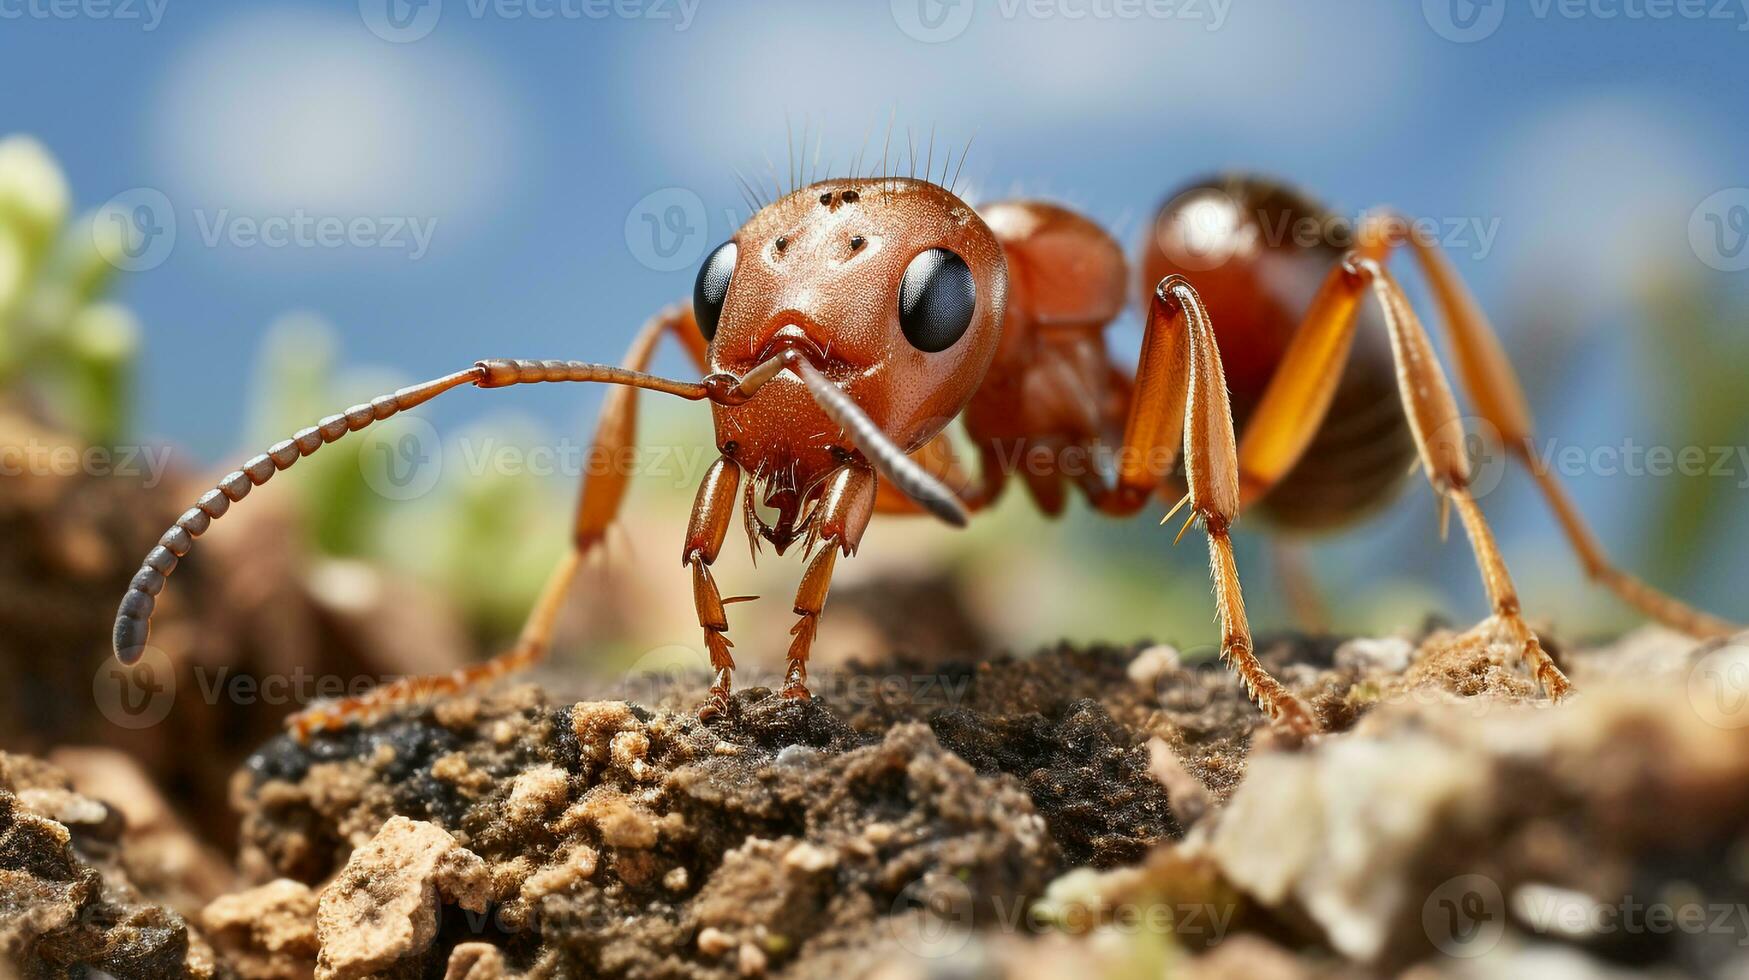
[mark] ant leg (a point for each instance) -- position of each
(1489, 380)
(603, 490)
(712, 512)
(1181, 403)
(844, 511)
(1299, 395)
(1304, 597)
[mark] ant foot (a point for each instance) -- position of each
(1508, 630)
(1293, 717)
(716, 704)
(796, 681)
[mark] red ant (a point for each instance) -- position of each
(845, 324)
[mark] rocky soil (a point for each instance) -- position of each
(1109, 812)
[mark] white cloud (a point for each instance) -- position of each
(1287, 71)
(277, 111)
(1595, 189)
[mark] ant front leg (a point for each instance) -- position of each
(712, 513)
(843, 514)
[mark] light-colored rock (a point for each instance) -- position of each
(476, 961)
(268, 932)
(383, 906)
(534, 793)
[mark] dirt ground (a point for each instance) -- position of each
(1103, 811)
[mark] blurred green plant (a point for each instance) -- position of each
(66, 353)
(1697, 346)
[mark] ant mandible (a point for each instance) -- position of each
(846, 323)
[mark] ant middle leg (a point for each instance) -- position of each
(1298, 398)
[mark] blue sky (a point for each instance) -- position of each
(497, 163)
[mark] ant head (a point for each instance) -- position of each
(893, 288)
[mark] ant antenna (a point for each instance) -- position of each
(133, 620)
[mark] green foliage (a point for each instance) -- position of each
(1695, 349)
(62, 346)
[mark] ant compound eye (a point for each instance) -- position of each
(936, 300)
(712, 288)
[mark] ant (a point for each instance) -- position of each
(847, 323)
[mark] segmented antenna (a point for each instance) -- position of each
(911, 479)
(133, 620)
